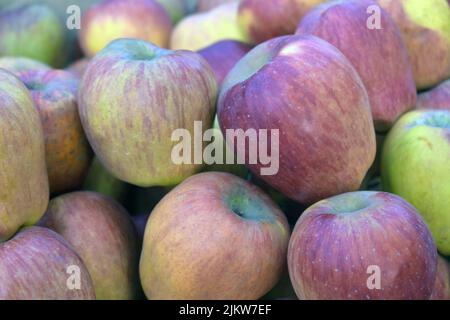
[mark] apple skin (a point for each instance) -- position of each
(442, 286)
(33, 266)
(206, 5)
(337, 239)
(275, 18)
(436, 98)
(415, 164)
(114, 19)
(223, 56)
(379, 56)
(201, 30)
(67, 152)
(103, 234)
(22, 153)
(33, 31)
(197, 247)
(133, 95)
(309, 91)
(19, 64)
(425, 27)
(78, 67)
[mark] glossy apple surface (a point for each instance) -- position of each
(340, 246)
(305, 88)
(215, 236)
(415, 164)
(379, 55)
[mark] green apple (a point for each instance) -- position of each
(415, 164)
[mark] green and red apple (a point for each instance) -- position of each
(362, 245)
(201, 30)
(67, 151)
(415, 164)
(425, 27)
(24, 194)
(38, 264)
(102, 233)
(114, 19)
(132, 98)
(214, 236)
(379, 55)
(263, 20)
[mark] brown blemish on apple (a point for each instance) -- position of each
(427, 142)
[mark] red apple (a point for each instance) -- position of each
(309, 91)
(78, 67)
(441, 289)
(223, 55)
(263, 20)
(114, 19)
(102, 233)
(215, 236)
(38, 264)
(436, 98)
(362, 245)
(140, 221)
(67, 151)
(379, 55)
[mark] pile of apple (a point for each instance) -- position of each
(92, 206)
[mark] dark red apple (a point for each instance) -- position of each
(379, 55)
(305, 88)
(362, 245)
